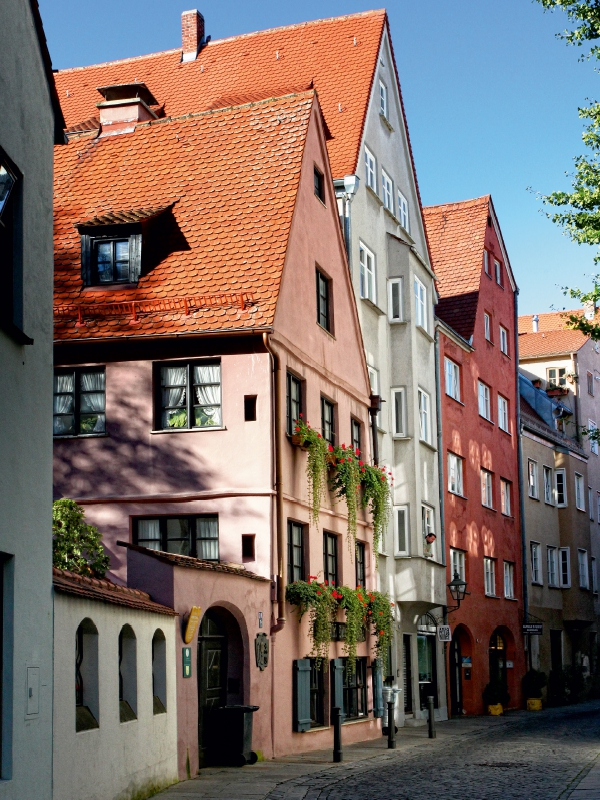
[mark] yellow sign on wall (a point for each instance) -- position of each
(192, 624)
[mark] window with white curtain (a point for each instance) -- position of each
(196, 536)
(387, 191)
(368, 287)
(420, 304)
(190, 395)
(79, 402)
(452, 375)
(370, 170)
(455, 474)
(489, 574)
(424, 417)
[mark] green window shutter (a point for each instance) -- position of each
(377, 688)
(337, 684)
(86, 260)
(302, 695)
(135, 257)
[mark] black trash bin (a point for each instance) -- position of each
(230, 736)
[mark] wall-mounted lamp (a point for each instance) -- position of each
(458, 590)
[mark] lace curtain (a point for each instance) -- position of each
(207, 538)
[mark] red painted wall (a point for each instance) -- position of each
(470, 526)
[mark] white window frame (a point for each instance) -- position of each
(486, 263)
(368, 273)
(489, 576)
(428, 523)
(403, 212)
(549, 485)
(535, 552)
(484, 400)
(455, 474)
(487, 488)
(560, 380)
(399, 425)
(398, 551)
(594, 576)
(387, 191)
(509, 580)
(392, 284)
(590, 383)
(421, 315)
(560, 473)
(552, 565)
(498, 272)
(579, 494)
(505, 499)
(383, 99)
(370, 170)
(593, 442)
(373, 373)
(564, 561)
(503, 340)
(424, 416)
(487, 326)
(452, 378)
(583, 568)
(503, 418)
(532, 479)
(458, 563)
(590, 504)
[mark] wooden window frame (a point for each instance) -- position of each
(189, 393)
(489, 569)
(327, 405)
(324, 296)
(370, 170)
(355, 684)
(331, 576)
(459, 461)
(356, 434)
(361, 564)
(552, 560)
(292, 380)
(291, 547)
(192, 532)
(77, 372)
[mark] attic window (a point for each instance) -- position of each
(319, 185)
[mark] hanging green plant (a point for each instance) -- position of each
(316, 465)
(377, 498)
(345, 482)
(318, 600)
(381, 616)
(355, 607)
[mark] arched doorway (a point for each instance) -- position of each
(456, 694)
(497, 657)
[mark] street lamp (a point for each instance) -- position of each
(458, 590)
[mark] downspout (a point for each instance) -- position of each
(440, 444)
(521, 473)
(576, 393)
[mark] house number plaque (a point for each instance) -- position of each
(261, 647)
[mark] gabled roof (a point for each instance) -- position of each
(232, 176)
(552, 321)
(550, 343)
(337, 56)
(59, 122)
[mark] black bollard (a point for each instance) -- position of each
(430, 702)
(338, 756)
(391, 726)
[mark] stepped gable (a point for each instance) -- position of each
(337, 56)
(105, 591)
(228, 179)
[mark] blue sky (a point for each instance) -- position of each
(491, 98)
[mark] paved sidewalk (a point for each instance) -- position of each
(587, 787)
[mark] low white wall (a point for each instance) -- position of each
(117, 760)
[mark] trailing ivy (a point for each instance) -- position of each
(318, 600)
(376, 497)
(345, 482)
(355, 608)
(381, 617)
(316, 466)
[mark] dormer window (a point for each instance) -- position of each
(112, 261)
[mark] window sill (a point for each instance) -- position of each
(386, 122)
(489, 508)
(533, 498)
(320, 200)
(392, 216)
(372, 304)
(356, 720)
(402, 438)
(83, 436)
(554, 586)
(402, 555)
(109, 287)
(397, 321)
(486, 419)
(507, 516)
(493, 596)
(374, 195)
(537, 583)
(187, 430)
(460, 403)
(430, 446)
(508, 433)
(489, 341)
(329, 333)
(425, 333)
(456, 494)
(512, 599)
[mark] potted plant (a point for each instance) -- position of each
(495, 698)
(533, 683)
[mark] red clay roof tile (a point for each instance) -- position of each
(550, 343)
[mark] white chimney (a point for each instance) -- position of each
(192, 34)
(536, 323)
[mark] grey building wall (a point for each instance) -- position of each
(27, 127)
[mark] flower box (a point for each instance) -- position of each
(558, 391)
(298, 441)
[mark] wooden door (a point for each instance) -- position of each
(212, 675)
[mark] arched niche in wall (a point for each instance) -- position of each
(87, 705)
(127, 674)
(159, 672)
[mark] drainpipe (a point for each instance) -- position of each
(374, 409)
(280, 587)
(440, 444)
(521, 473)
(576, 393)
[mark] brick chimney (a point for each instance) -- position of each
(192, 34)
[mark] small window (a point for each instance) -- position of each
(557, 376)
(360, 564)
(503, 422)
(330, 558)
(295, 552)
(395, 300)
(399, 411)
(159, 672)
(452, 375)
(86, 677)
(536, 564)
(79, 402)
(250, 408)
(565, 567)
(383, 100)
(487, 494)
(355, 432)
(319, 184)
(457, 564)
(420, 304)
(505, 501)
(532, 478)
(503, 340)
(190, 395)
(498, 272)
(487, 327)
(509, 580)
(579, 496)
(370, 170)
(455, 474)
(127, 674)
(187, 536)
(489, 574)
(293, 402)
(590, 383)
(403, 214)
(552, 566)
(323, 301)
(112, 261)
(424, 417)
(484, 401)
(368, 288)
(582, 564)
(355, 690)
(401, 530)
(548, 487)
(486, 263)
(594, 576)
(387, 191)
(592, 431)
(327, 421)
(248, 547)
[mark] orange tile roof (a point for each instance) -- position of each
(552, 321)
(337, 56)
(456, 234)
(233, 205)
(550, 343)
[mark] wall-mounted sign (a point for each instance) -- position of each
(192, 624)
(261, 648)
(444, 633)
(533, 628)
(466, 661)
(510, 665)
(186, 653)
(260, 619)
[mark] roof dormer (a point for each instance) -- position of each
(124, 106)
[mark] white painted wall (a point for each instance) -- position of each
(117, 759)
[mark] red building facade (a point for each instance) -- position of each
(479, 395)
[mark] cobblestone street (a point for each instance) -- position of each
(544, 756)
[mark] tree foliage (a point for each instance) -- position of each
(77, 546)
(585, 16)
